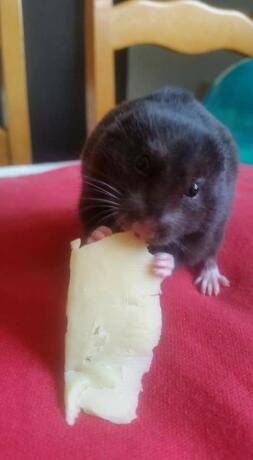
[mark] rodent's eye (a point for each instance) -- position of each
(142, 163)
(192, 190)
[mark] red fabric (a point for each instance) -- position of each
(197, 402)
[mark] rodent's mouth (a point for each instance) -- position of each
(146, 230)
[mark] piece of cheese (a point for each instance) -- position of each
(114, 322)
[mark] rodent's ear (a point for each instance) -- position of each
(88, 147)
(83, 153)
(171, 94)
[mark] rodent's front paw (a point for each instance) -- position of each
(163, 264)
(98, 234)
(210, 280)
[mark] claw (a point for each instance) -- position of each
(224, 281)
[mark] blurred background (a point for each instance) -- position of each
(55, 70)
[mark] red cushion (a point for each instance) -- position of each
(198, 398)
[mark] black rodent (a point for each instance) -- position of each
(164, 160)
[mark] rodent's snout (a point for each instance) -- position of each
(145, 229)
(152, 224)
(151, 231)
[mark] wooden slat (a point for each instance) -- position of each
(4, 153)
(14, 80)
(183, 26)
(99, 66)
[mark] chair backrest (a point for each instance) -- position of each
(185, 26)
(15, 139)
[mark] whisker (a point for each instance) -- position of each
(98, 205)
(101, 200)
(106, 217)
(101, 215)
(111, 187)
(101, 182)
(100, 189)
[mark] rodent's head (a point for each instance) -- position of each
(163, 172)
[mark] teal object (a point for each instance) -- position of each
(230, 99)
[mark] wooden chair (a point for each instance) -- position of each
(185, 26)
(15, 139)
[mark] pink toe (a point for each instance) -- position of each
(164, 261)
(163, 256)
(99, 234)
(224, 281)
(210, 289)
(105, 230)
(204, 286)
(162, 273)
(163, 264)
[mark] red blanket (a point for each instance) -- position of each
(197, 402)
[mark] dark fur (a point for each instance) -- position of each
(185, 144)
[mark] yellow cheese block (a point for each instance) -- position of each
(114, 322)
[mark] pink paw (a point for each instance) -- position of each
(210, 280)
(99, 234)
(163, 264)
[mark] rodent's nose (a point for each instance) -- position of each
(144, 228)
